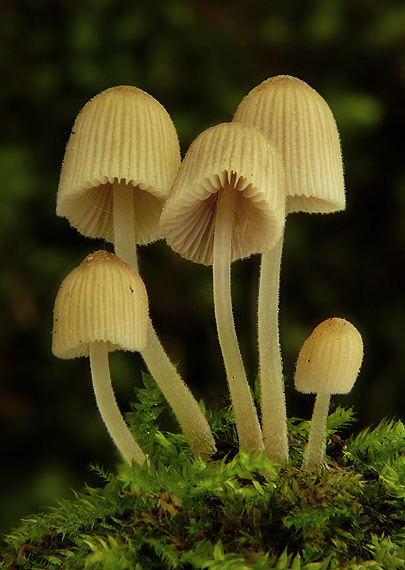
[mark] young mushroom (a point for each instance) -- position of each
(100, 307)
(301, 126)
(226, 203)
(328, 363)
(120, 161)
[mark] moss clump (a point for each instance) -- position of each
(238, 512)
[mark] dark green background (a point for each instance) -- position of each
(198, 59)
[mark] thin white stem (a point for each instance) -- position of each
(315, 449)
(247, 423)
(123, 223)
(273, 405)
(189, 415)
(107, 405)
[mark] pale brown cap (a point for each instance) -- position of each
(101, 300)
(330, 358)
(301, 125)
(125, 135)
(224, 154)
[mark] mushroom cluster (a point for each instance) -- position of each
(122, 179)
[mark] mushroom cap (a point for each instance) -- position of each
(123, 134)
(227, 154)
(301, 125)
(101, 300)
(330, 358)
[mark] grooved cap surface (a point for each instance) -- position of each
(301, 126)
(125, 135)
(330, 358)
(101, 300)
(224, 155)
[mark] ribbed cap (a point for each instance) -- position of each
(230, 153)
(101, 300)
(330, 358)
(301, 125)
(125, 135)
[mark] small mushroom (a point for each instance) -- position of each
(328, 363)
(100, 307)
(226, 203)
(120, 161)
(301, 126)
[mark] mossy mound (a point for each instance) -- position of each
(238, 512)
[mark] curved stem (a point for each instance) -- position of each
(190, 417)
(107, 405)
(273, 405)
(315, 449)
(247, 423)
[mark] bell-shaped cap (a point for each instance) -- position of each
(330, 358)
(301, 126)
(101, 300)
(227, 154)
(125, 135)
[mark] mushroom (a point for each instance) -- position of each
(328, 363)
(301, 126)
(100, 307)
(120, 161)
(226, 203)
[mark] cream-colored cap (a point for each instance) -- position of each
(301, 125)
(101, 300)
(230, 153)
(125, 135)
(330, 358)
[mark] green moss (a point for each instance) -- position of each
(238, 512)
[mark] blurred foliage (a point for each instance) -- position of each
(198, 58)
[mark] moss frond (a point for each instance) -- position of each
(238, 512)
